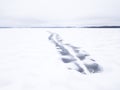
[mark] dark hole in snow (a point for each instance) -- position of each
(93, 68)
(92, 59)
(81, 56)
(66, 60)
(80, 69)
(63, 53)
(62, 50)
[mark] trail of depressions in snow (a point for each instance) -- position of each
(80, 59)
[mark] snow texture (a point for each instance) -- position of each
(29, 61)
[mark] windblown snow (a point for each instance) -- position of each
(64, 59)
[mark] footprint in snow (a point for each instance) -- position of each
(78, 59)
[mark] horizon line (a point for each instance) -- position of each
(62, 27)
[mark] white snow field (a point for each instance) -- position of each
(29, 61)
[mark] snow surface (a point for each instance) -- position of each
(29, 61)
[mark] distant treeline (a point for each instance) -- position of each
(102, 27)
(67, 27)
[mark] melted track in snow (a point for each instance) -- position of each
(78, 59)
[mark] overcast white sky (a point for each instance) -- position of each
(14, 12)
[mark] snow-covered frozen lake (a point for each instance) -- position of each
(29, 61)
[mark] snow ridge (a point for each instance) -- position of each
(78, 59)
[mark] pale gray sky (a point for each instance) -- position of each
(14, 12)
